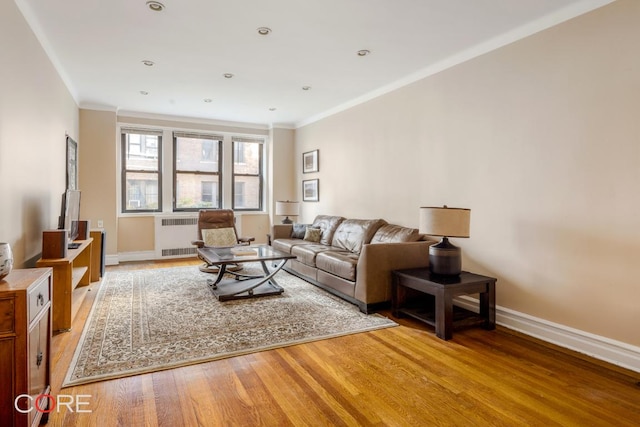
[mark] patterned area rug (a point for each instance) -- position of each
(149, 320)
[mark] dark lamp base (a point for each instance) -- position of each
(445, 259)
(287, 221)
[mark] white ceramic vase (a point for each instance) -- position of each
(6, 260)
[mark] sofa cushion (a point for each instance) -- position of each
(340, 263)
(285, 245)
(312, 234)
(328, 225)
(298, 230)
(307, 253)
(390, 233)
(351, 234)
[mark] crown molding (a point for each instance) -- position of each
(185, 119)
(35, 26)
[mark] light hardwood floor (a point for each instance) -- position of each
(401, 376)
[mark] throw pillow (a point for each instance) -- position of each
(299, 230)
(313, 234)
(219, 237)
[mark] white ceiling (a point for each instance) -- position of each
(98, 47)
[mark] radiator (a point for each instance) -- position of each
(173, 234)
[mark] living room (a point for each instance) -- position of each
(537, 137)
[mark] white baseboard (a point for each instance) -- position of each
(136, 256)
(111, 260)
(615, 352)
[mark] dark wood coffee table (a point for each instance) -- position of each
(244, 285)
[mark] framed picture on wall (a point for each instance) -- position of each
(310, 190)
(310, 162)
(72, 164)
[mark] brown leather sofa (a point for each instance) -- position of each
(354, 257)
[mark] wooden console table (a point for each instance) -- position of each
(442, 314)
(71, 277)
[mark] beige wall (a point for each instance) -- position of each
(253, 225)
(98, 167)
(282, 179)
(36, 111)
(136, 234)
(541, 140)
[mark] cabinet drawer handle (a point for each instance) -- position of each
(39, 358)
(40, 299)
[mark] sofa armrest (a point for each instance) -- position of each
(377, 261)
(281, 231)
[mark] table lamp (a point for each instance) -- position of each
(286, 208)
(445, 259)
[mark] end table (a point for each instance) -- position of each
(443, 289)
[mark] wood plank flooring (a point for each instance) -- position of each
(401, 376)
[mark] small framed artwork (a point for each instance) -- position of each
(310, 190)
(310, 162)
(72, 164)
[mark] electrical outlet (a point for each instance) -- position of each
(100, 223)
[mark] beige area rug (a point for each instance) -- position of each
(149, 320)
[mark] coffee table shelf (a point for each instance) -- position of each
(244, 286)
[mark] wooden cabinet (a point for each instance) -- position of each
(25, 345)
(71, 276)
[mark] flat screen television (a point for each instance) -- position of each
(70, 215)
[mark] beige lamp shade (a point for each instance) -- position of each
(287, 208)
(445, 221)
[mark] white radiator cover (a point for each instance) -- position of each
(174, 234)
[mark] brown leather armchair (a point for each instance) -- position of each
(217, 228)
(222, 220)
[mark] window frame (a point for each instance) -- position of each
(259, 175)
(124, 168)
(219, 139)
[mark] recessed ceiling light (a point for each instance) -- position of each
(148, 63)
(363, 52)
(263, 31)
(156, 6)
(272, 109)
(144, 92)
(207, 100)
(227, 75)
(306, 87)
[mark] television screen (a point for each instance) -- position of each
(70, 213)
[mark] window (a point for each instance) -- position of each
(203, 170)
(247, 173)
(141, 172)
(197, 171)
